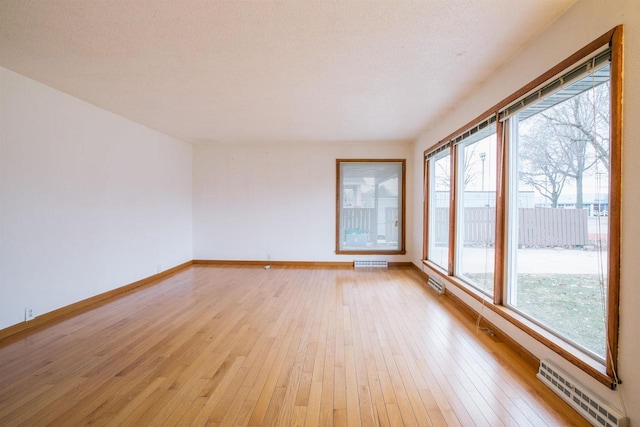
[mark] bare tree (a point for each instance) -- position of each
(585, 118)
(471, 172)
(442, 173)
(543, 165)
(566, 141)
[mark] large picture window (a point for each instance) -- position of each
(370, 208)
(559, 210)
(530, 195)
(476, 209)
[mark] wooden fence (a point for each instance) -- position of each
(391, 224)
(364, 221)
(440, 224)
(539, 227)
(548, 227)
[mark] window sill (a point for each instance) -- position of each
(577, 357)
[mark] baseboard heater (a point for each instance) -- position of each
(591, 406)
(437, 286)
(367, 263)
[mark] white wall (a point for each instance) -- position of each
(89, 201)
(581, 24)
(278, 199)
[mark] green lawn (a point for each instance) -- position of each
(569, 303)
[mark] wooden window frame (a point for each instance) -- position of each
(425, 251)
(605, 373)
(402, 232)
(454, 199)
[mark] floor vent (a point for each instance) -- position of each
(437, 286)
(370, 263)
(583, 400)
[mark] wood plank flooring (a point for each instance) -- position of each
(286, 346)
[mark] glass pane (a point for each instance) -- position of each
(476, 212)
(370, 217)
(439, 209)
(559, 224)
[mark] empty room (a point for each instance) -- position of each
(376, 213)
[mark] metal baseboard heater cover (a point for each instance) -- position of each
(437, 286)
(588, 404)
(368, 263)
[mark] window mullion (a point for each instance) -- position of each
(501, 179)
(426, 217)
(453, 226)
(615, 191)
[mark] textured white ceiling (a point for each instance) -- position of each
(263, 71)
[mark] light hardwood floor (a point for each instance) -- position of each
(286, 346)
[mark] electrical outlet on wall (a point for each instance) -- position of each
(29, 314)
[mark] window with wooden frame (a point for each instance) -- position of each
(544, 253)
(439, 193)
(370, 206)
(475, 211)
